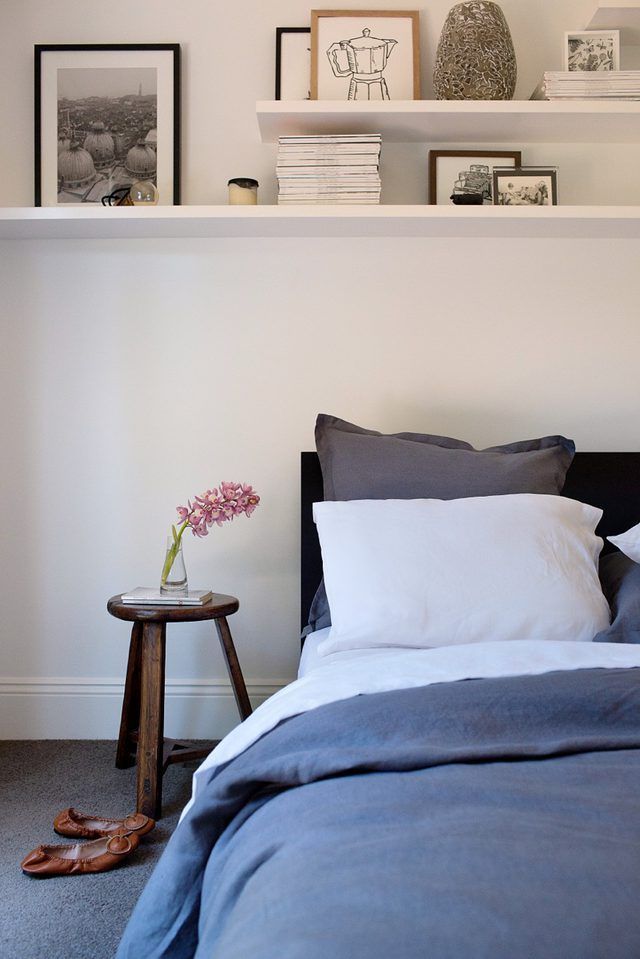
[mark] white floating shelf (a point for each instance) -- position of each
(623, 15)
(457, 121)
(81, 223)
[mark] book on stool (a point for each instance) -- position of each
(150, 596)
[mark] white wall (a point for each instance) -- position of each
(135, 373)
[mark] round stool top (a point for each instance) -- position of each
(219, 605)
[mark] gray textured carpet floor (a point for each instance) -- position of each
(71, 917)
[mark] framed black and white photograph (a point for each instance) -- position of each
(592, 50)
(462, 173)
(106, 116)
(525, 186)
(365, 55)
(293, 63)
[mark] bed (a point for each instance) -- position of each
(471, 800)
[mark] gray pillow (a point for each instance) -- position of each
(364, 464)
(620, 581)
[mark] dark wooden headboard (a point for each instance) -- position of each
(610, 481)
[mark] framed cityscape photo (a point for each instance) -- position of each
(293, 63)
(460, 173)
(525, 186)
(592, 50)
(106, 115)
(365, 55)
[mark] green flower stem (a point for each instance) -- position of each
(172, 552)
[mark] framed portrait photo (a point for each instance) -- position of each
(106, 116)
(365, 55)
(592, 50)
(465, 172)
(293, 63)
(525, 186)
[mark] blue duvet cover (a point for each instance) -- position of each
(485, 819)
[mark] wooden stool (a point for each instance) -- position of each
(142, 723)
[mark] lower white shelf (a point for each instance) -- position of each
(81, 223)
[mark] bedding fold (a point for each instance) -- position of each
(376, 824)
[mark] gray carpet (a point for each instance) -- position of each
(71, 917)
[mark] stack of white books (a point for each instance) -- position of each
(582, 85)
(329, 169)
(151, 596)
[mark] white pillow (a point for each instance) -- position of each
(628, 542)
(429, 572)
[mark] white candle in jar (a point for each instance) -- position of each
(243, 191)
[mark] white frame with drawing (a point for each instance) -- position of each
(388, 70)
(592, 51)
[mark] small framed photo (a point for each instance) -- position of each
(365, 55)
(592, 50)
(293, 63)
(459, 173)
(525, 186)
(106, 115)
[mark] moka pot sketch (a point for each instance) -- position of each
(363, 59)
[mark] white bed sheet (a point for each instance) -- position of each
(311, 659)
(309, 656)
(347, 674)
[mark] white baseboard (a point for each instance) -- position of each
(89, 708)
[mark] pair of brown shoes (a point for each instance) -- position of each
(113, 841)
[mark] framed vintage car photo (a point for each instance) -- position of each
(455, 174)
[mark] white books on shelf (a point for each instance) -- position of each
(328, 138)
(340, 168)
(151, 596)
(352, 163)
(327, 201)
(347, 182)
(329, 156)
(582, 85)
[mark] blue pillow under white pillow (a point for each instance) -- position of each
(429, 572)
(620, 579)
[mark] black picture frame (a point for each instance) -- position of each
(527, 173)
(40, 52)
(435, 155)
(279, 33)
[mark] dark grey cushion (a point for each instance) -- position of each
(620, 580)
(364, 464)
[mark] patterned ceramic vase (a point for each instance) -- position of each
(475, 59)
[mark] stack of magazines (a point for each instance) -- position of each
(149, 596)
(329, 169)
(583, 85)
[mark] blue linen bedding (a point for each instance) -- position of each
(487, 818)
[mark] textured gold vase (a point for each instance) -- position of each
(475, 59)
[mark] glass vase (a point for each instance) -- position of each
(173, 578)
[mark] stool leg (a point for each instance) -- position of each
(130, 717)
(233, 667)
(150, 738)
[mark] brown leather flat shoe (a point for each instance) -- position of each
(96, 856)
(79, 825)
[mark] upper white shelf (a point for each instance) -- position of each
(457, 121)
(81, 223)
(623, 15)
